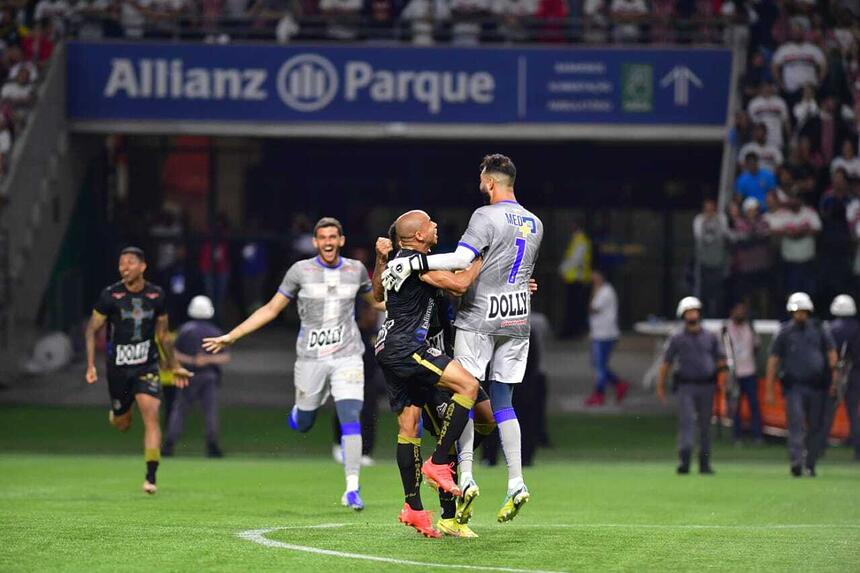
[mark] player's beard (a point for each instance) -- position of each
(485, 193)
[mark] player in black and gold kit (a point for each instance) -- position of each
(135, 314)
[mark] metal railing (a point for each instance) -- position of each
(460, 29)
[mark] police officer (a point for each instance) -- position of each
(699, 356)
(803, 353)
(846, 335)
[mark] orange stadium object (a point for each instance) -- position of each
(774, 420)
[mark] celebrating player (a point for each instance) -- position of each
(431, 404)
(411, 365)
(493, 318)
(329, 347)
(134, 310)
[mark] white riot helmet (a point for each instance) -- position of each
(799, 301)
(688, 303)
(843, 305)
(200, 308)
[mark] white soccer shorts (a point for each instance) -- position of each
(343, 378)
(492, 357)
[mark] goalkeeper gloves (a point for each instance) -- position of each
(398, 270)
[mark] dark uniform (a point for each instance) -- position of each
(846, 333)
(805, 375)
(411, 365)
(697, 354)
(132, 354)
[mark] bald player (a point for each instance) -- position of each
(493, 318)
(413, 367)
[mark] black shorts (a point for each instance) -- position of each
(125, 383)
(435, 405)
(409, 377)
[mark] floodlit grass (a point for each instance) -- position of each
(605, 497)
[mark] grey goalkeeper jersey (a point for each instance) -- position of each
(508, 236)
(325, 297)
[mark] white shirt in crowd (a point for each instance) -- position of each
(603, 318)
(341, 5)
(15, 92)
(769, 156)
(30, 66)
(851, 166)
(5, 141)
(515, 7)
(744, 342)
(772, 112)
(852, 214)
(800, 63)
(627, 8)
(795, 249)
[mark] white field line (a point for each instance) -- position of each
(259, 536)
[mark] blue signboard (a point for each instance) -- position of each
(152, 81)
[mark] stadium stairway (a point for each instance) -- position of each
(46, 171)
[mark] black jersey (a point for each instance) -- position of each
(441, 334)
(410, 313)
(131, 318)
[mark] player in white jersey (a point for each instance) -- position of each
(329, 348)
(492, 322)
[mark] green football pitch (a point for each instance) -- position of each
(605, 497)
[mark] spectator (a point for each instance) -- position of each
(769, 156)
(755, 76)
(38, 46)
(741, 131)
(207, 376)
(786, 188)
(466, 19)
(807, 108)
(421, 16)
(575, 271)
(828, 130)
(710, 231)
(797, 63)
(627, 17)
(380, 16)
(796, 225)
(214, 265)
(53, 15)
(753, 262)
(10, 29)
(754, 181)
(847, 161)
(806, 165)
(744, 345)
(254, 269)
(343, 18)
(595, 21)
(513, 18)
(552, 19)
(852, 215)
(5, 143)
(14, 61)
(603, 324)
(835, 243)
(770, 109)
(96, 19)
(19, 92)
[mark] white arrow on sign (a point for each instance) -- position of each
(681, 76)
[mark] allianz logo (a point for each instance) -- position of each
(305, 83)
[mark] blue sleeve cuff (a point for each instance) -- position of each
(286, 294)
(470, 247)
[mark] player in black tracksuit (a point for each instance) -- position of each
(135, 313)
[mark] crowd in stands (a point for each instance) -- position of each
(25, 49)
(417, 21)
(794, 222)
